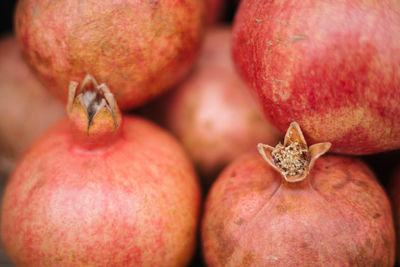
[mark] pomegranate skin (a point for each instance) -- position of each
(212, 112)
(139, 48)
(338, 216)
(332, 66)
(26, 107)
(135, 203)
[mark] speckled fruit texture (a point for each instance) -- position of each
(332, 66)
(27, 108)
(139, 48)
(135, 203)
(338, 216)
(212, 112)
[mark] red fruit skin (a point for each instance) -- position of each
(339, 216)
(26, 107)
(332, 66)
(138, 48)
(211, 112)
(133, 204)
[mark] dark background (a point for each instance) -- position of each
(7, 12)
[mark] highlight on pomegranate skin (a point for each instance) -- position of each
(292, 207)
(101, 189)
(138, 48)
(332, 66)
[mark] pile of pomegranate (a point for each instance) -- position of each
(199, 133)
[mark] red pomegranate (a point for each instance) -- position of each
(101, 190)
(139, 48)
(332, 66)
(26, 107)
(297, 211)
(211, 112)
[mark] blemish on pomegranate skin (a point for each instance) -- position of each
(41, 59)
(248, 259)
(225, 244)
(240, 221)
(281, 208)
(298, 37)
(304, 245)
(341, 184)
(377, 215)
(154, 4)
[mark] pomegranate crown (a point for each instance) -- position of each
(293, 159)
(93, 114)
(95, 102)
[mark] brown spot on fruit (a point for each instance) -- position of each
(240, 221)
(377, 215)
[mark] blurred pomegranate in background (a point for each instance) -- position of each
(297, 210)
(214, 11)
(212, 112)
(27, 108)
(101, 189)
(332, 66)
(139, 48)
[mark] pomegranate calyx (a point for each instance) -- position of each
(94, 104)
(293, 159)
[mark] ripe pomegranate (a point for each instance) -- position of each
(101, 190)
(333, 66)
(26, 107)
(139, 48)
(297, 211)
(211, 112)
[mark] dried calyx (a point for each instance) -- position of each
(93, 114)
(95, 102)
(293, 159)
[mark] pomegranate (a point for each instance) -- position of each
(211, 112)
(297, 211)
(332, 66)
(101, 190)
(26, 107)
(139, 48)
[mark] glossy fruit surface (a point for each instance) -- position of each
(139, 48)
(114, 192)
(332, 66)
(27, 108)
(337, 215)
